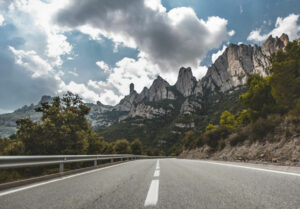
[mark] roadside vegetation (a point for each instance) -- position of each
(269, 102)
(63, 130)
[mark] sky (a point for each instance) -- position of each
(96, 48)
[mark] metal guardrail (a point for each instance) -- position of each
(41, 160)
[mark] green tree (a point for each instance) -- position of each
(136, 147)
(64, 128)
(190, 140)
(122, 146)
(258, 98)
(285, 79)
(243, 119)
(227, 120)
(210, 127)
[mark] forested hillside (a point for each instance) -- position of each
(268, 127)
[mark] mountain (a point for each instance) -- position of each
(161, 114)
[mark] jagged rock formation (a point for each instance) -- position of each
(128, 101)
(272, 45)
(160, 90)
(186, 82)
(190, 106)
(188, 96)
(146, 111)
(232, 68)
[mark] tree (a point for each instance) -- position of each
(210, 127)
(97, 145)
(243, 119)
(227, 120)
(285, 79)
(64, 128)
(136, 147)
(122, 146)
(258, 98)
(190, 140)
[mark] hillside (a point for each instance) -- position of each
(162, 114)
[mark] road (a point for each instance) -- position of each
(165, 183)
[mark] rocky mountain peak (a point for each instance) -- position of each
(285, 39)
(272, 45)
(159, 90)
(46, 98)
(131, 88)
(186, 81)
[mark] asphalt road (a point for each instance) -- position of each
(169, 183)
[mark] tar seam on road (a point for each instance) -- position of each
(152, 195)
(55, 180)
(250, 168)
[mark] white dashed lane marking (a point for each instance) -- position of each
(152, 196)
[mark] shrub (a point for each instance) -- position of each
(239, 136)
(263, 126)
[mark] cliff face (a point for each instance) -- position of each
(232, 68)
(186, 82)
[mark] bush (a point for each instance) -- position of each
(211, 138)
(190, 140)
(263, 126)
(239, 136)
(122, 146)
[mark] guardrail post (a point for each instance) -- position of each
(95, 162)
(112, 160)
(61, 167)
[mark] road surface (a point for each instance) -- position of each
(165, 183)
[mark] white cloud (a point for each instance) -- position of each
(200, 72)
(288, 25)
(216, 55)
(33, 21)
(169, 39)
(80, 89)
(31, 62)
(231, 33)
(73, 73)
(94, 33)
(1, 20)
(103, 66)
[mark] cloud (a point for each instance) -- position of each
(32, 62)
(1, 20)
(33, 22)
(40, 69)
(170, 39)
(231, 33)
(103, 66)
(216, 55)
(288, 25)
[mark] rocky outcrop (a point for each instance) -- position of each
(190, 106)
(128, 101)
(198, 90)
(272, 45)
(229, 72)
(146, 111)
(186, 82)
(233, 67)
(159, 90)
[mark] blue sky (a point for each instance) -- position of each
(95, 48)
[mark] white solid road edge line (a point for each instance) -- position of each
(156, 173)
(247, 167)
(55, 180)
(152, 196)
